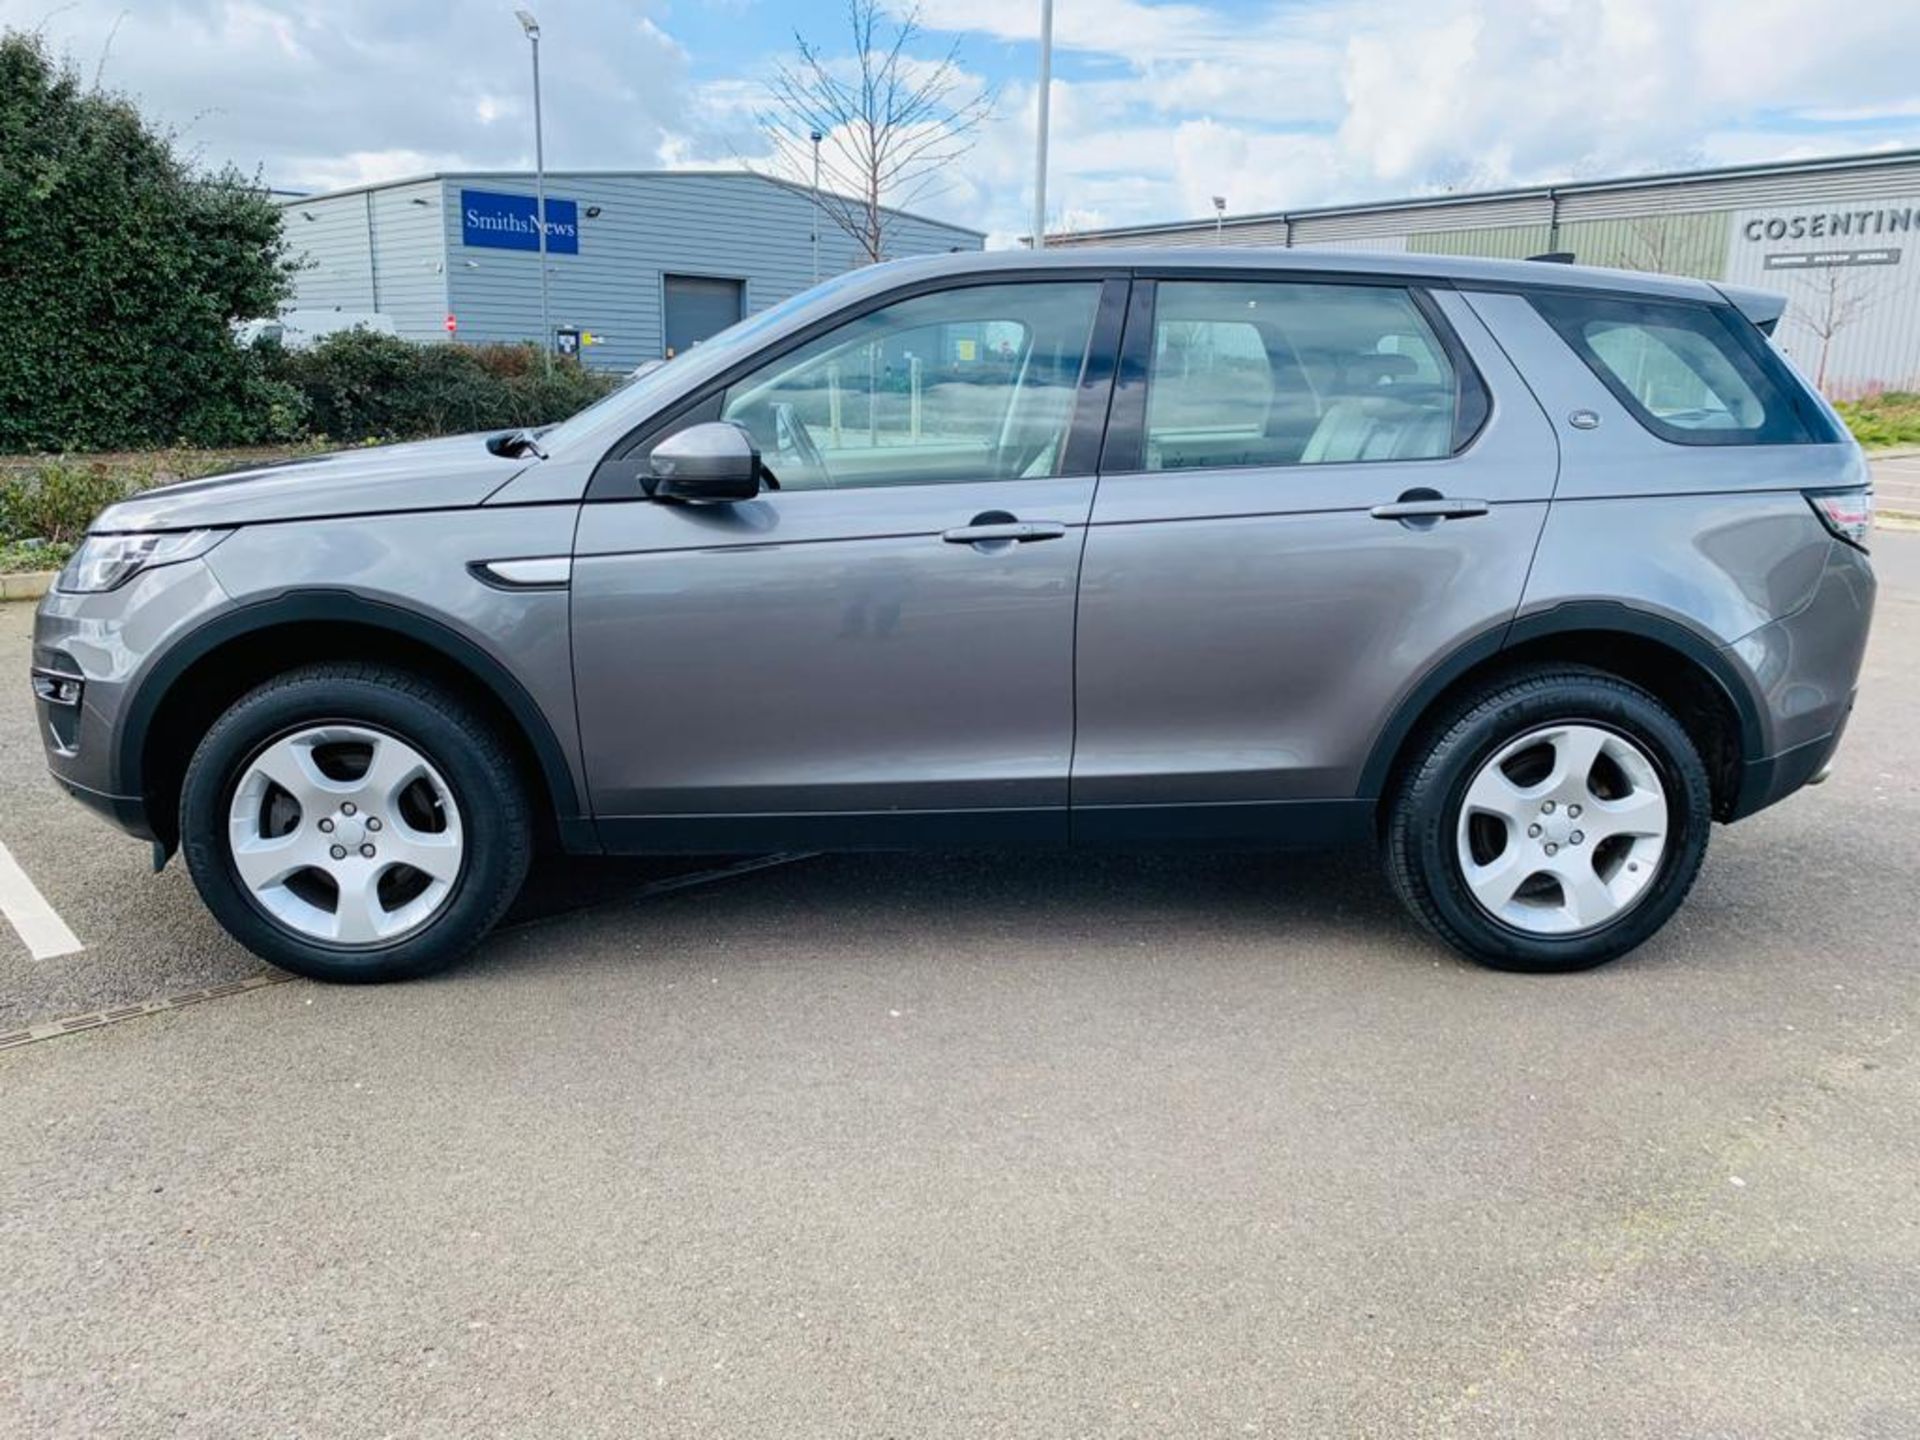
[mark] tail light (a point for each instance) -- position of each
(1847, 513)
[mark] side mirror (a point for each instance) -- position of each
(711, 463)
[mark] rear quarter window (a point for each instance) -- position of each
(1686, 371)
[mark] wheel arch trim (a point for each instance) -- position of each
(323, 606)
(1571, 617)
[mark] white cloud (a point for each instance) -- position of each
(314, 94)
(1156, 107)
(1286, 106)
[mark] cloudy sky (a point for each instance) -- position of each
(1156, 107)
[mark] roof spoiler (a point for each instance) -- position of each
(1763, 307)
(1553, 257)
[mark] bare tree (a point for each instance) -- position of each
(890, 123)
(1652, 245)
(1831, 301)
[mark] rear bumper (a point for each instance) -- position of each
(1774, 777)
(1803, 670)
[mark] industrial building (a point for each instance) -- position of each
(1840, 238)
(640, 263)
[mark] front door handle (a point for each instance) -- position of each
(1016, 532)
(1429, 508)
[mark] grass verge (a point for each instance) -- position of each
(47, 502)
(1883, 421)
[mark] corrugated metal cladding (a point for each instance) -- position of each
(1839, 238)
(403, 250)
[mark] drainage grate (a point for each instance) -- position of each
(93, 1020)
(14, 1039)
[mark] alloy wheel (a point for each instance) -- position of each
(1563, 830)
(346, 835)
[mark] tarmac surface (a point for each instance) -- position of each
(975, 1145)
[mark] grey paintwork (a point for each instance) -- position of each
(414, 563)
(888, 667)
(447, 474)
(1246, 633)
(1619, 456)
(1807, 662)
(1193, 639)
(1718, 539)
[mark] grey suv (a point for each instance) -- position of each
(1525, 572)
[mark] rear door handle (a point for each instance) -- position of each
(1018, 532)
(1439, 507)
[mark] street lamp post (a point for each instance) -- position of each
(816, 137)
(1040, 137)
(1219, 216)
(532, 27)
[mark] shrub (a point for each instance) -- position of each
(358, 385)
(46, 506)
(1891, 418)
(55, 502)
(122, 270)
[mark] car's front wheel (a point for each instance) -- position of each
(354, 823)
(1553, 820)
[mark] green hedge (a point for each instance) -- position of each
(352, 388)
(358, 385)
(123, 268)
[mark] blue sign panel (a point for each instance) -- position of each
(506, 222)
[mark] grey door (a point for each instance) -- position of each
(699, 306)
(1265, 579)
(869, 653)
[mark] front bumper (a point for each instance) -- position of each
(101, 647)
(127, 812)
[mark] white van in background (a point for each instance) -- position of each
(297, 329)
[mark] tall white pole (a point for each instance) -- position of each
(1040, 141)
(816, 206)
(540, 195)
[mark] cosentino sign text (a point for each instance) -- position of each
(1884, 221)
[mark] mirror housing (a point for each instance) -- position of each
(710, 463)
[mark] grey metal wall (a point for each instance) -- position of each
(734, 226)
(1853, 299)
(1859, 286)
(371, 250)
(650, 226)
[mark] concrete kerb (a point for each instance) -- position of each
(26, 584)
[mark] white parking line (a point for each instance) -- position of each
(45, 933)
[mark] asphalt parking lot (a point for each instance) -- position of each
(983, 1145)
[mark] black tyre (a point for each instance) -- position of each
(354, 823)
(1553, 820)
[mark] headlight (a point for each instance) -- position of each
(104, 562)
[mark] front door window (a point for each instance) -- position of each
(959, 386)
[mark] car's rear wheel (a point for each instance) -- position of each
(1553, 820)
(354, 823)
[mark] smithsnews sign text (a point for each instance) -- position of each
(506, 222)
(1833, 224)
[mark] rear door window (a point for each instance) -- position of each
(1274, 373)
(1682, 370)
